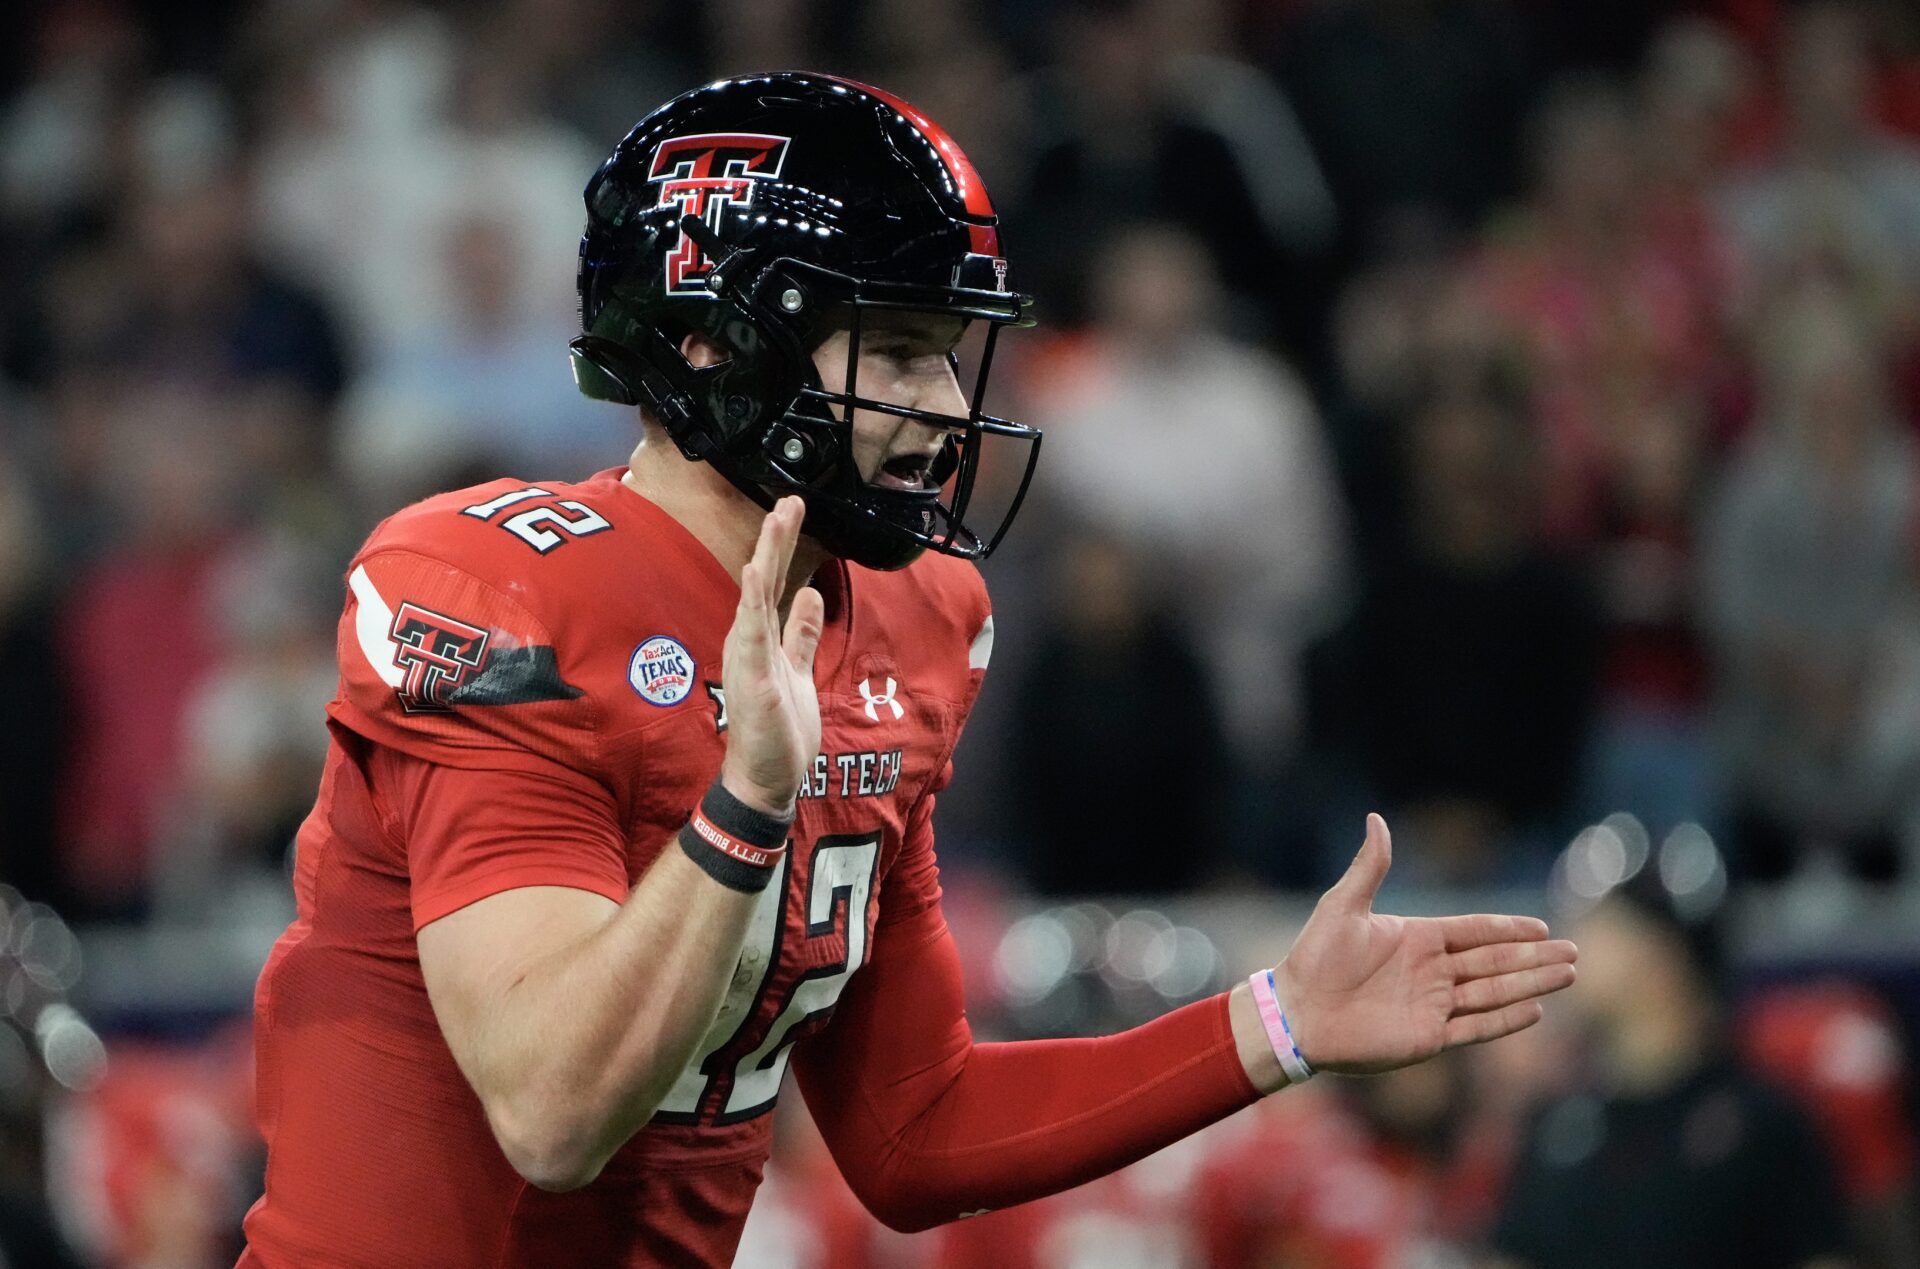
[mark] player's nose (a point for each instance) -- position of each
(940, 394)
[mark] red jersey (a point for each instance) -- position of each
(530, 694)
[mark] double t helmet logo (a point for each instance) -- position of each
(705, 175)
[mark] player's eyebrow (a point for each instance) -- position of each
(921, 332)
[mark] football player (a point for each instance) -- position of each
(630, 795)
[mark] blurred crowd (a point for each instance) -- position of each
(1499, 413)
(1659, 1120)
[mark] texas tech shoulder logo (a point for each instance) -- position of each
(436, 653)
(705, 175)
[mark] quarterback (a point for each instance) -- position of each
(630, 794)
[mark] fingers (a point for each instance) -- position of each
(753, 576)
(804, 625)
(1369, 868)
(1479, 995)
(1465, 932)
(1478, 1028)
(1506, 958)
(765, 573)
(785, 520)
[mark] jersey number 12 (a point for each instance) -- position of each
(543, 527)
(745, 1051)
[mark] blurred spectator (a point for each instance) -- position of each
(1809, 598)
(154, 1173)
(482, 394)
(1843, 192)
(1399, 1176)
(250, 744)
(29, 1232)
(60, 130)
(1898, 28)
(1834, 1047)
(1611, 303)
(601, 63)
(1696, 87)
(934, 54)
(1462, 684)
(203, 309)
(1115, 711)
(48, 1053)
(1413, 106)
(1651, 750)
(1671, 1154)
(31, 754)
(384, 137)
(1412, 312)
(137, 636)
(1205, 456)
(1124, 127)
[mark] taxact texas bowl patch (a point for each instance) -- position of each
(661, 671)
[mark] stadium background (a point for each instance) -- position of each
(1501, 414)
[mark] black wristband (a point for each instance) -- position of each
(733, 843)
(736, 819)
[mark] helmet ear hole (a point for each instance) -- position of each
(702, 350)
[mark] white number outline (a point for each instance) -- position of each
(840, 887)
(525, 525)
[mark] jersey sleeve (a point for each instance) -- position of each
(911, 887)
(448, 667)
(470, 834)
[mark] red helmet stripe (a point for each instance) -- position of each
(966, 181)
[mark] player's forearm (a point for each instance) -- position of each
(927, 1125)
(1016, 1122)
(600, 1030)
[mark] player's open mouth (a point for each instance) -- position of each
(907, 471)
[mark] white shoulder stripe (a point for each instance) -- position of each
(982, 650)
(373, 624)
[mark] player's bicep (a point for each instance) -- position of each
(470, 834)
(505, 867)
(473, 958)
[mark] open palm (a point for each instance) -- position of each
(1365, 992)
(773, 728)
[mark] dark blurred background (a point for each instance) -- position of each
(1498, 413)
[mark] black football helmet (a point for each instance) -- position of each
(764, 212)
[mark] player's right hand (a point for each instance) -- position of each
(1367, 992)
(773, 712)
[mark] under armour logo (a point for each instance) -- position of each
(874, 702)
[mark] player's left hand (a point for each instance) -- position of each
(1366, 993)
(767, 673)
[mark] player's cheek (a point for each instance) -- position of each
(871, 432)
